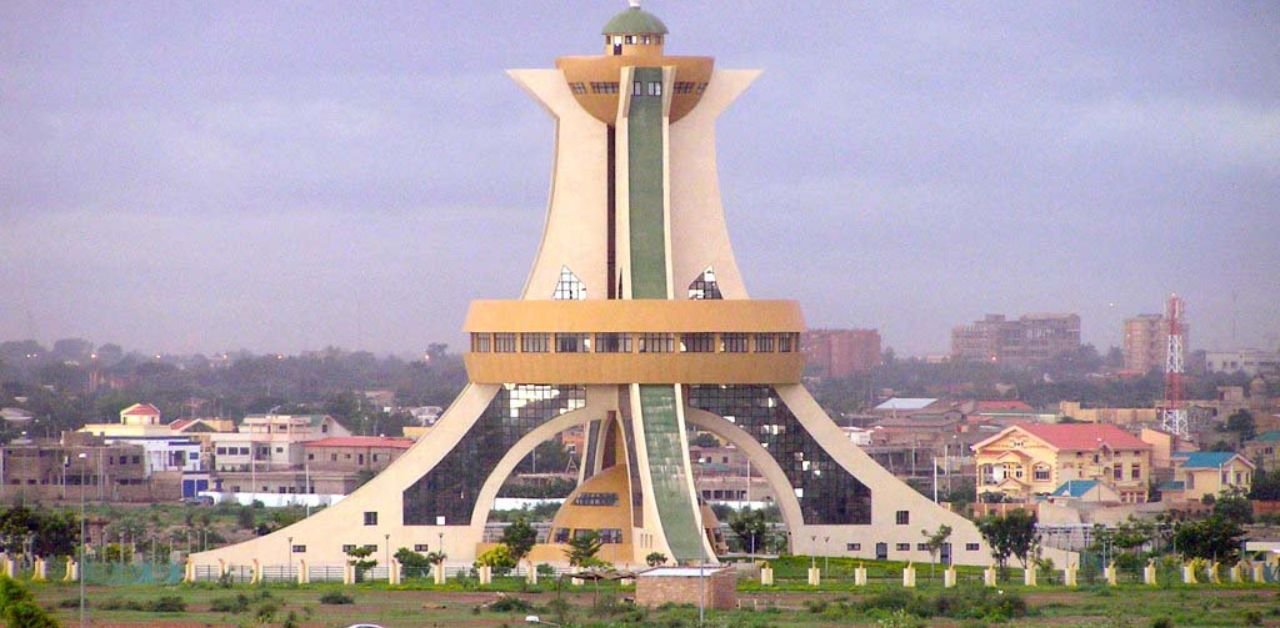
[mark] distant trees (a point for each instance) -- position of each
(582, 550)
(1241, 422)
(1214, 538)
(519, 538)
(751, 528)
(38, 531)
(934, 542)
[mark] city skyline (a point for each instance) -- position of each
(283, 178)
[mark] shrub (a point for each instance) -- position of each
(71, 602)
(336, 597)
(28, 615)
(1252, 617)
(1162, 622)
(508, 604)
(166, 604)
(237, 604)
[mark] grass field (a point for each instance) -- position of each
(790, 604)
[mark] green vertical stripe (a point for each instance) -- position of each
(668, 461)
(645, 177)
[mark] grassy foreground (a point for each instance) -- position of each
(836, 604)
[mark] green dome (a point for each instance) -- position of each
(635, 21)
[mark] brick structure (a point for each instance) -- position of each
(1031, 339)
(680, 585)
(840, 353)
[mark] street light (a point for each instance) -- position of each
(84, 457)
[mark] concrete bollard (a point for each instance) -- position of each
(393, 572)
(437, 573)
(1259, 573)
(909, 576)
(1029, 576)
(1189, 574)
(1069, 575)
(41, 573)
(348, 574)
(255, 574)
(304, 574)
(1214, 577)
(860, 576)
(485, 573)
(949, 577)
(73, 571)
(1149, 573)
(989, 576)
(1111, 575)
(815, 576)
(188, 571)
(766, 576)
(1235, 573)
(577, 582)
(9, 566)
(532, 576)
(222, 567)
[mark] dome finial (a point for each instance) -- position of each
(635, 4)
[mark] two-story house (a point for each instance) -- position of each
(1201, 473)
(1036, 459)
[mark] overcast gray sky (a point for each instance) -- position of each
(282, 176)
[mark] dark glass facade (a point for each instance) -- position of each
(828, 494)
(450, 489)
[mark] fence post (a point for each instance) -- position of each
(1236, 573)
(859, 576)
(393, 572)
(532, 576)
(437, 572)
(1029, 575)
(1149, 572)
(1189, 573)
(41, 573)
(255, 575)
(348, 574)
(815, 576)
(766, 575)
(1110, 574)
(909, 576)
(304, 574)
(989, 576)
(73, 570)
(1069, 575)
(10, 566)
(485, 574)
(949, 577)
(1259, 573)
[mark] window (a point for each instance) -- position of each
(922, 547)
(421, 547)
(657, 343)
(684, 87)
(480, 343)
(787, 343)
(535, 343)
(611, 535)
(853, 547)
(613, 343)
(903, 517)
(636, 88)
(733, 343)
(504, 343)
(764, 343)
(137, 460)
(604, 87)
(903, 547)
(347, 548)
(1135, 472)
(705, 286)
(1117, 472)
(595, 499)
(561, 535)
(569, 287)
(573, 343)
(655, 88)
(971, 547)
(311, 456)
(697, 343)
(578, 87)
(1042, 473)
(221, 450)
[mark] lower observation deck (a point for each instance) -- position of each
(635, 341)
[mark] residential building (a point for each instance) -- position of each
(1032, 459)
(352, 454)
(1201, 473)
(1264, 450)
(267, 455)
(54, 470)
(138, 420)
(1146, 342)
(16, 416)
(1251, 362)
(1032, 339)
(840, 353)
(1113, 416)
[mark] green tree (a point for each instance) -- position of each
(1013, 534)
(360, 558)
(1242, 423)
(704, 439)
(519, 537)
(498, 558)
(751, 528)
(1214, 538)
(1234, 506)
(653, 559)
(412, 563)
(934, 542)
(583, 548)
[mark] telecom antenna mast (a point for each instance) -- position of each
(1174, 420)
